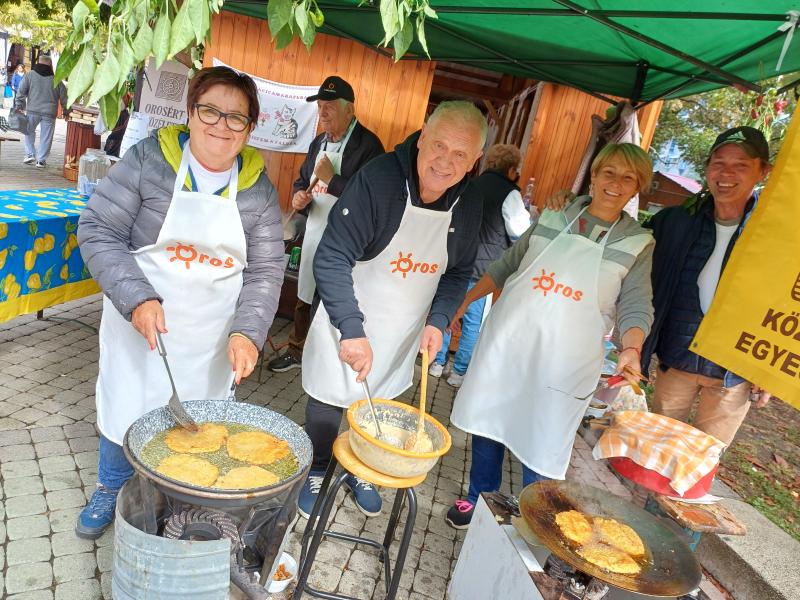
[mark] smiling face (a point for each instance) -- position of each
(613, 184)
(216, 146)
(732, 174)
(335, 116)
(448, 149)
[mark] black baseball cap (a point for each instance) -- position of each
(334, 88)
(752, 139)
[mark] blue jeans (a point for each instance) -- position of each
(470, 328)
(486, 472)
(48, 127)
(113, 469)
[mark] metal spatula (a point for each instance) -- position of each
(175, 406)
(372, 409)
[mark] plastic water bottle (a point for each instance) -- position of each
(528, 196)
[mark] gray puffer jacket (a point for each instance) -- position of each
(126, 212)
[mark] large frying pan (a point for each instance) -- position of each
(669, 567)
(148, 426)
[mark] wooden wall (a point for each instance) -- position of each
(560, 134)
(391, 98)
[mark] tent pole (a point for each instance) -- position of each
(729, 77)
(638, 85)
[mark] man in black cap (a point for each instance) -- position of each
(343, 147)
(693, 243)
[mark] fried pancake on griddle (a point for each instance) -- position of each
(189, 469)
(257, 447)
(242, 478)
(575, 526)
(618, 535)
(208, 438)
(609, 559)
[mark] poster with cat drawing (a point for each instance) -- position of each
(286, 122)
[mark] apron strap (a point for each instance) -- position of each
(345, 139)
(602, 242)
(233, 182)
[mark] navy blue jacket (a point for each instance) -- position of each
(677, 230)
(363, 222)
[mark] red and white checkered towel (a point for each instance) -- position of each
(674, 449)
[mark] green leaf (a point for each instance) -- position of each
(33, 228)
(421, 34)
(279, 14)
(308, 34)
(49, 24)
(80, 78)
(92, 6)
(161, 39)
(301, 17)
(206, 24)
(389, 19)
(66, 63)
(143, 43)
(429, 12)
(196, 10)
(140, 10)
(105, 79)
(79, 14)
(402, 40)
(182, 30)
(126, 59)
(109, 107)
(284, 38)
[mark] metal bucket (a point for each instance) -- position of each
(148, 567)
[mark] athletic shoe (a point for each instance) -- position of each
(97, 514)
(460, 514)
(435, 370)
(455, 379)
(28, 160)
(40, 164)
(310, 493)
(283, 363)
(366, 497)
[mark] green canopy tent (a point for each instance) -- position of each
(627, 48)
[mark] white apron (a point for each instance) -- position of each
(394, 290)
(541, 344)
(196, 267)
(318, 212)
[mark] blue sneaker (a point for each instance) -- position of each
(310, 493)
(97, 514)
(366, 497)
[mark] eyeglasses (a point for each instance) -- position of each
(211, 116)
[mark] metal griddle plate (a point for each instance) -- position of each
(669, 567)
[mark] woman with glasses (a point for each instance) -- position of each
(184, 238)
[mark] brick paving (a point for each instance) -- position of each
(48, 457)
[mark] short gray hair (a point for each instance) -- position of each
(45, 60)
(463, 112)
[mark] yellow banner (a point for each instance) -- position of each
(753, 325)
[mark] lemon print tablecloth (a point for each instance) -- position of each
(40, 264)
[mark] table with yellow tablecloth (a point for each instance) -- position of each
(40, 264)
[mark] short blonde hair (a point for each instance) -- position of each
(502, 157)
(464, 113)
(633, 156)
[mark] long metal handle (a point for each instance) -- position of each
(162, 350)
(365, 385)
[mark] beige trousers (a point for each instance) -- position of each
(720, 410)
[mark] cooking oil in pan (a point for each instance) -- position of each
(157, 450)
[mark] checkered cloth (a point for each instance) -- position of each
(4, 125)
(678, 451)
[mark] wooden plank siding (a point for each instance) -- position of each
(391, 98)
(560, 133)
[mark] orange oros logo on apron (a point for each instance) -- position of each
(406, 264)
(547, 283)
(188, 254)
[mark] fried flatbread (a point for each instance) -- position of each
(242, 478)
(209, 437)
(618, 535)
(575, 526)
(257, 447)
(609, 559)
(189, 469)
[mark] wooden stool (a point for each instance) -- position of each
(343, 455)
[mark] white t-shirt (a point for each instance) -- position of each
(709, 277)
(516, 218)
(208, 182)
